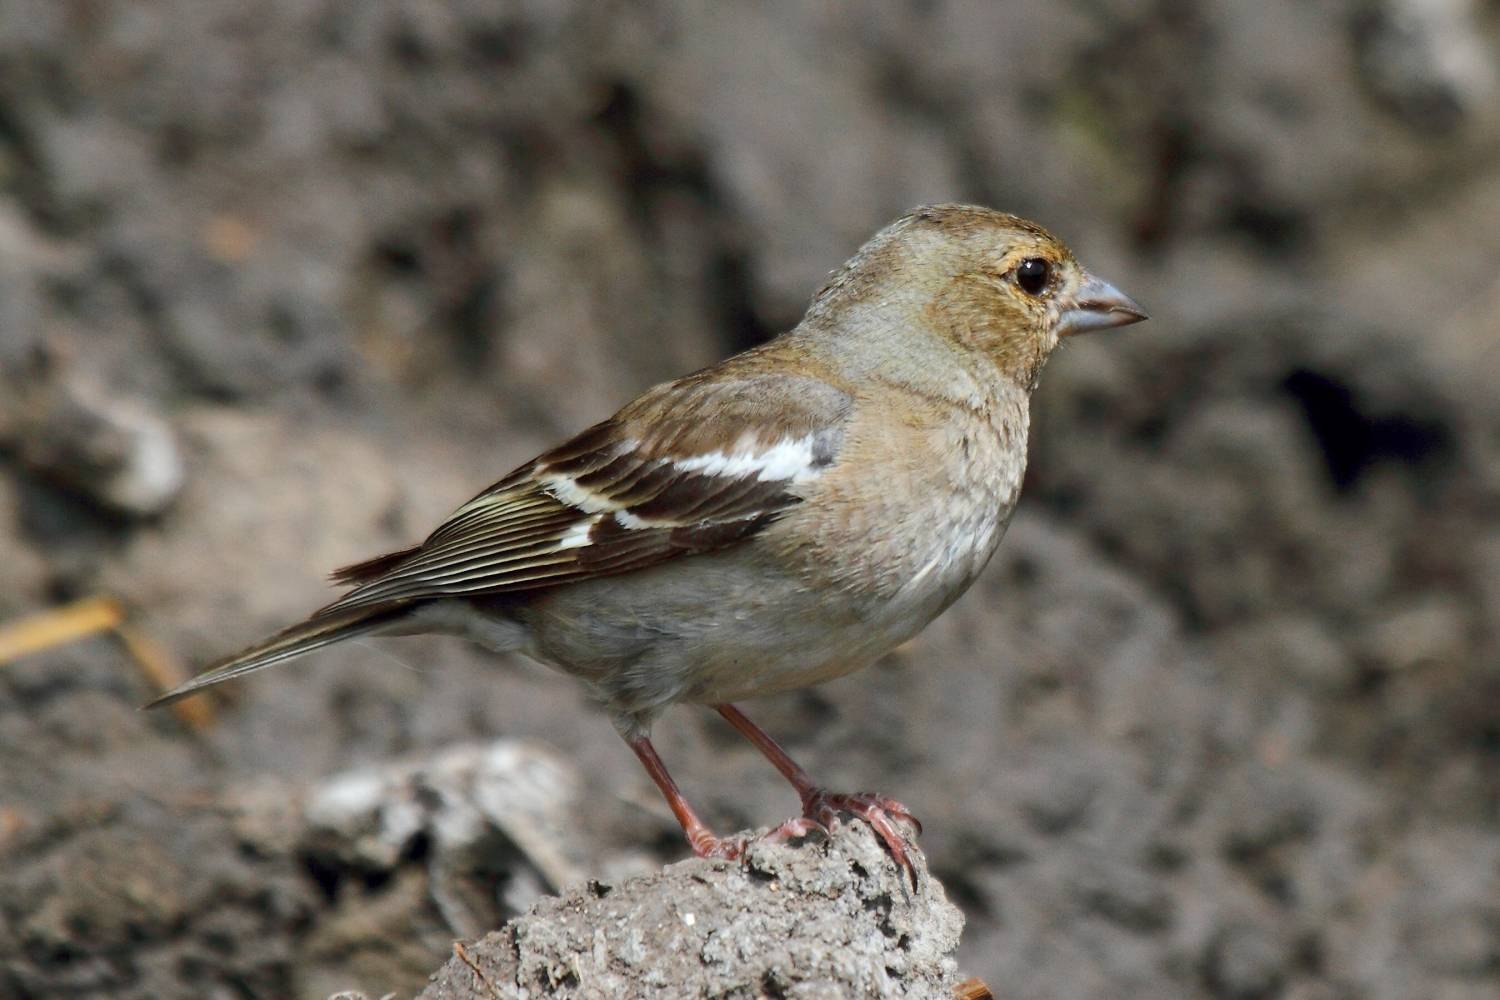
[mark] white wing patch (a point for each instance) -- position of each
(567, 490)
(577, 536)
(790, 459)
(625, 519)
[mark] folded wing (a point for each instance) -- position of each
(690, 467)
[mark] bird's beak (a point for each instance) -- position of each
(1098, 305)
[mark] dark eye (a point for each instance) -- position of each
(1032, 275)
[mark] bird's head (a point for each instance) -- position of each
(994, 284)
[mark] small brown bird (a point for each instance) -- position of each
(780, 519)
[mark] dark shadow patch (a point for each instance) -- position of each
(1354, 440)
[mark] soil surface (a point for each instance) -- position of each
(832, 918)
(281, 284)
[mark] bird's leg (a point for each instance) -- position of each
(699, 837)
(821, 806)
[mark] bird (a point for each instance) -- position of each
(782, 518)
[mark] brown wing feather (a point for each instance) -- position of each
(369, 569)
(496, 552)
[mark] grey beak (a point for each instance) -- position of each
(1098, 305)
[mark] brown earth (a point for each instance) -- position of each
(282, 283)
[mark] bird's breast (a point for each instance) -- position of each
(918, 510)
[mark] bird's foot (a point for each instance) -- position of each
(706, 845)
(822, 808)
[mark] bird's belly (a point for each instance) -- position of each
(727, 626)
(707, 629)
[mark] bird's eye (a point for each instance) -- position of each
(1032, 274)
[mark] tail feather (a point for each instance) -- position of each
(304, 637)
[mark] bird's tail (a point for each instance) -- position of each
(316, 632)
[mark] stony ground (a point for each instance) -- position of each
(825, 917)
(281, 284)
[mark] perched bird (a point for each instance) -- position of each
(780, 519)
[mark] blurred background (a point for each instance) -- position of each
(283, 283)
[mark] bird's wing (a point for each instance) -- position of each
(692, 466)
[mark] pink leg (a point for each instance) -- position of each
(820, 806)
(699, 837)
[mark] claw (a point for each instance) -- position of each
(822, 807)
(706, 845)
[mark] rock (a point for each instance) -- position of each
(362, 877)
(113, 451)
(812, 919)
(474, 810)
